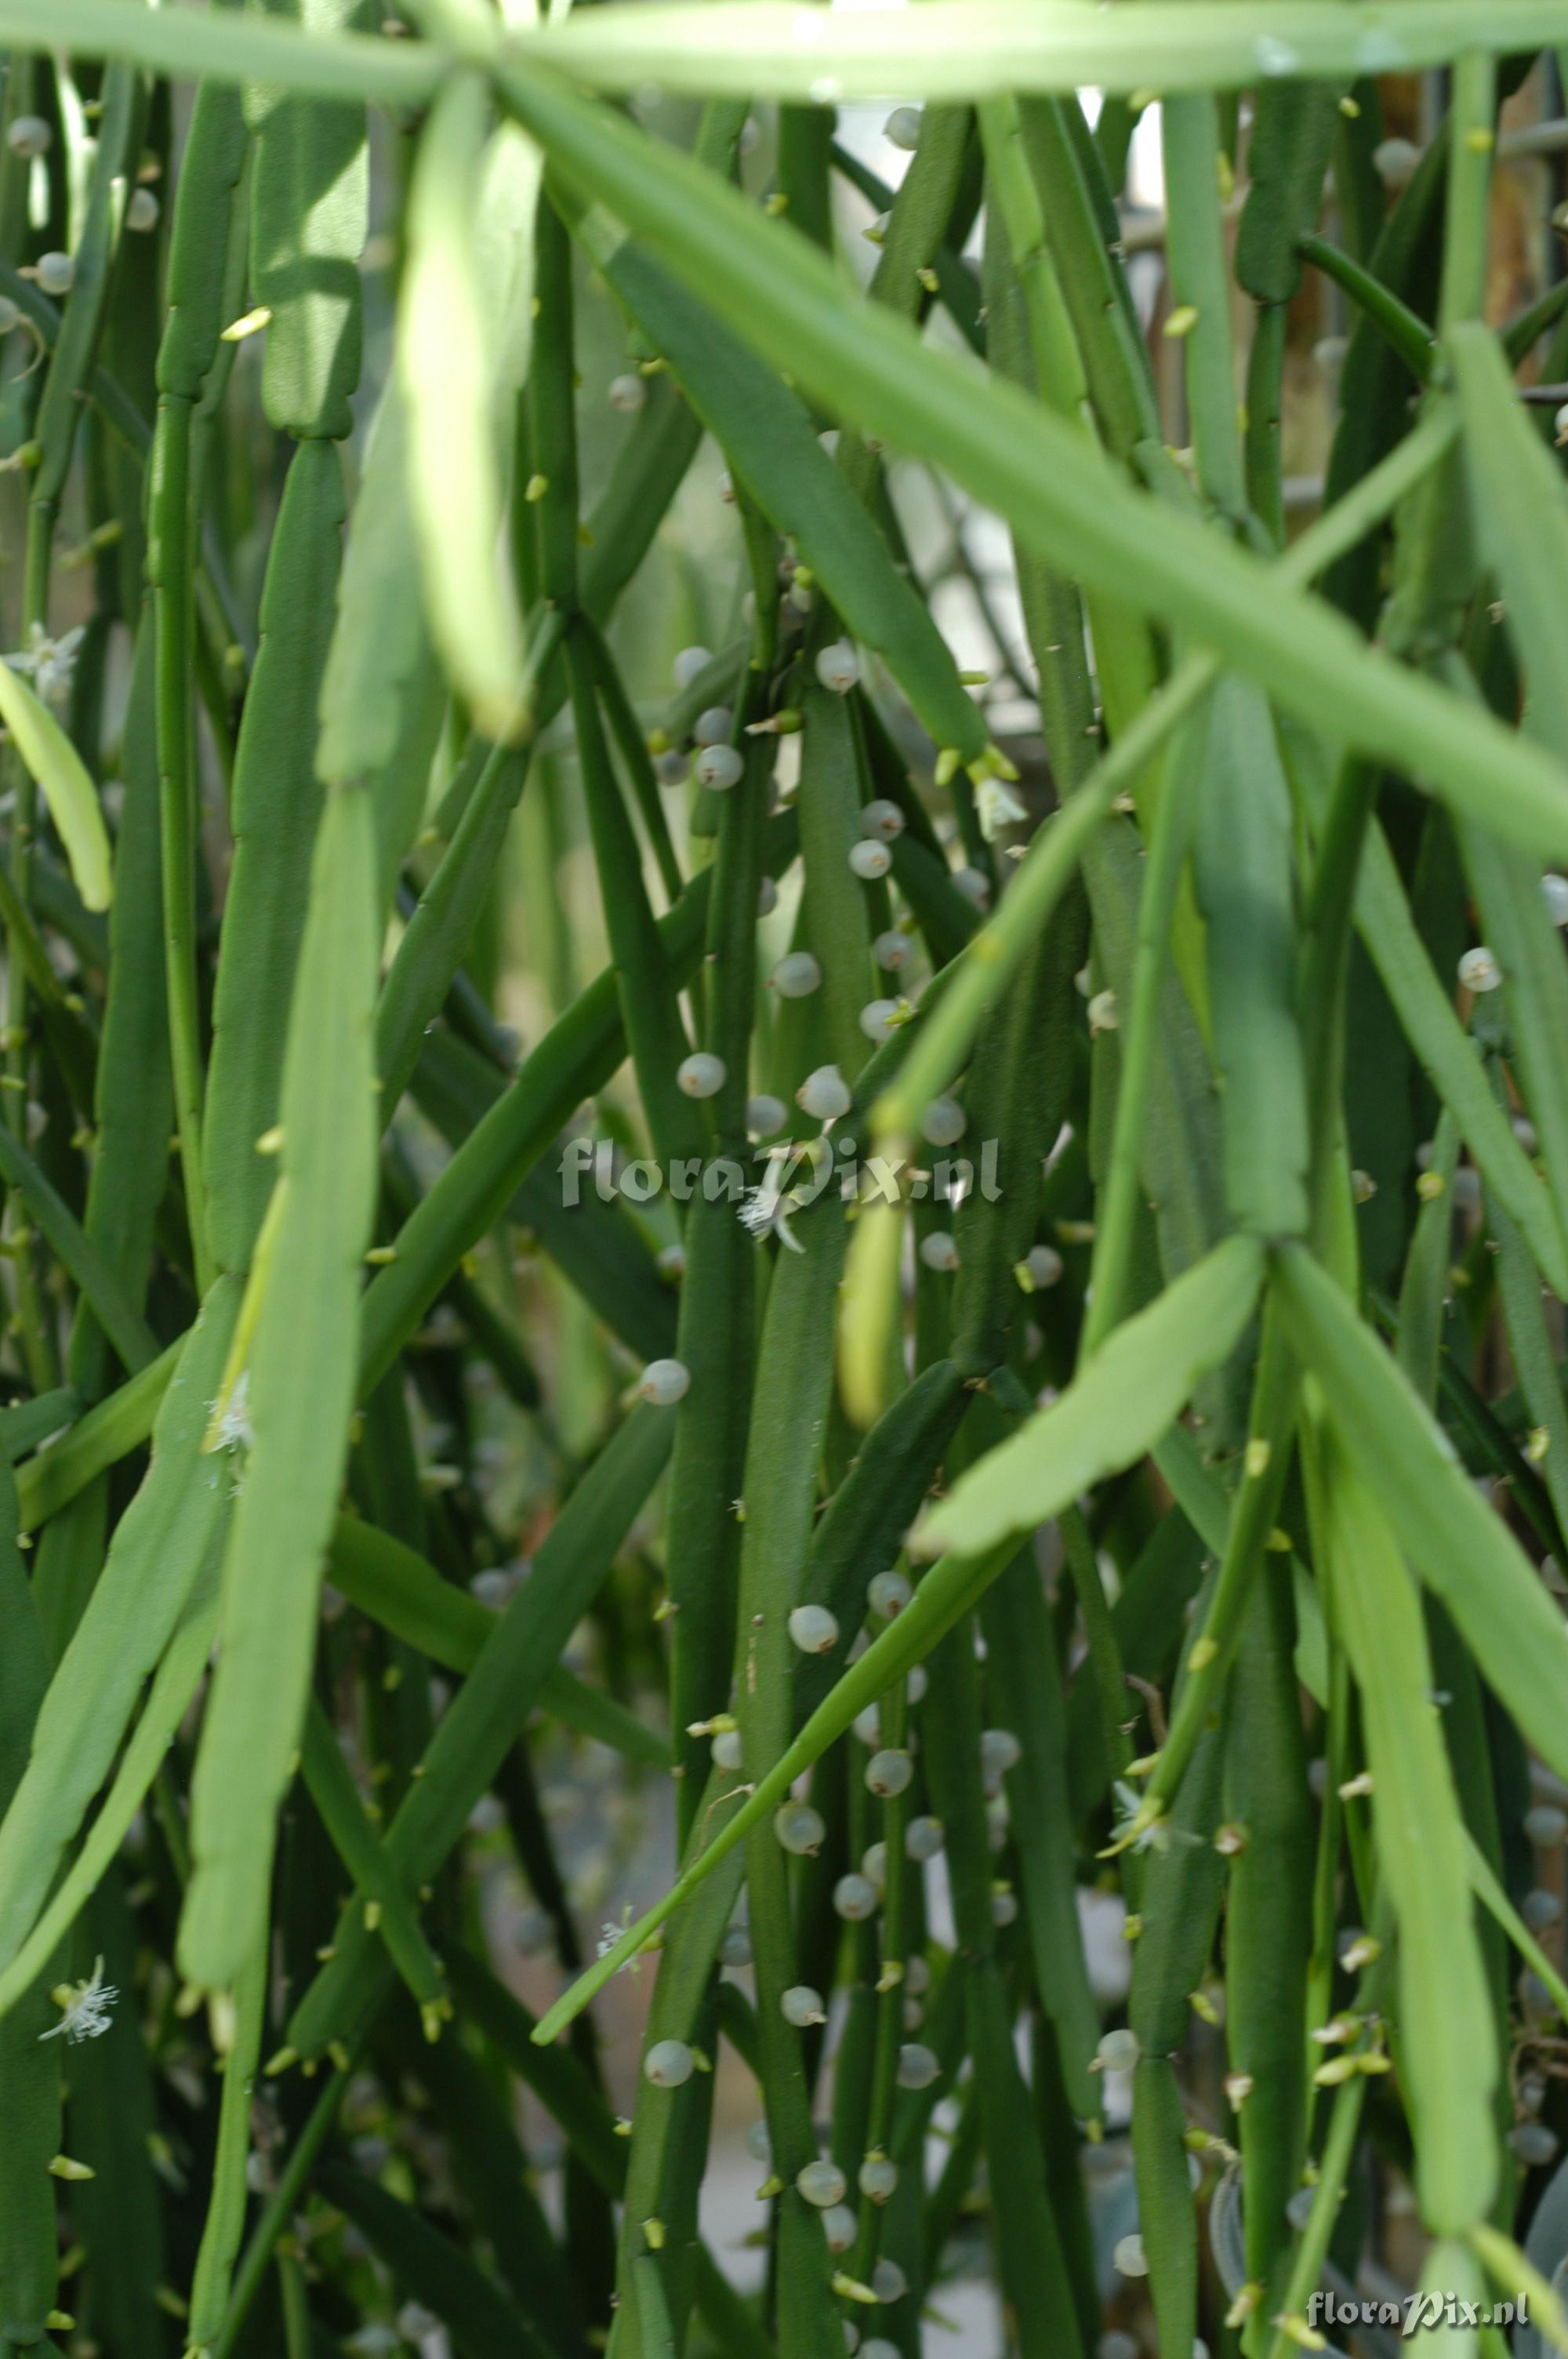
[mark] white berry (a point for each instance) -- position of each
(822, 2183)
(889, 1773)
(855, 1897)
(888, 1593)
(837, 668)
(889, 2282)
(735, 1949)
(668, 2063)
(719, 768)
(1533, 2143)
(1394, 161)
(824, 1094)
(1118, 2050)
(800, 1829)
(1043, 1265)
(917, 2065)
(840, 2228)
(29, 135)
(701, 1075)
(813, 1630)
(1479, 971)
(944, 1123)
(665, 1382)
(796, 975)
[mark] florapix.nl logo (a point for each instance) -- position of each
(779, 1179)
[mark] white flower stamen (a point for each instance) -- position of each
(609, 1934)
(766, 1211)
(52, 662)
(84, 2007)
(1128, 1809)
(236, 1430)
(997, 806)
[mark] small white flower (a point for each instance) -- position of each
(609, 1933)
(996, 807)
(1129, 1803)
(84, 2007)
(236, 1430)
(767, 1210)
(415, 2324)
(52, 662)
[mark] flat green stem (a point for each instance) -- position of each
(1255, 1507)
(1117, 1213)
(281, 2204)
(1334, 2169)
(169, 541)
(1200, 288)
(1467, 217)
